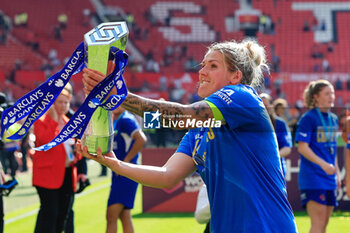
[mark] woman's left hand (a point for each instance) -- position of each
(107, 159)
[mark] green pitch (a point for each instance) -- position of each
(90, 207)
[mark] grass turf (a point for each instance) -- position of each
(90, 208)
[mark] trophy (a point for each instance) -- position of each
(98, 41)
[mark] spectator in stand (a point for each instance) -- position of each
(152, 66)
(306, 26)
(150, 17)
(86, 17)
(62, 20)
(167, 20)
(338, 84)
(163, 83)
(330, 47)
(326, 67)
(277, 84)
(168, 55)
(317, 144)
(17, 66)
(316, 51)
(53, 57)
(177, 52)
(267, 82)
(5, 27)
(191, 65)
(58, 33)
(348, 83)
(32, 40)
(47, 68)
(145, 33)
(322, 25)
(276, 63)
(21, 19)
(184, 51)
(130, 19)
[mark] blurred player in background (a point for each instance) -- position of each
(346, 138)
(128, 142)
(317, 143)
(284, 138)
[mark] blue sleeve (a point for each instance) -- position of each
(128, 125)
(283, 134)
(304, 129)
(187, 144)
(238, 104)
(348, 144)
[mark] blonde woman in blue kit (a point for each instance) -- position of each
(238, 160)
(317, 145)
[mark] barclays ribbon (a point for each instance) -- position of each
(38, 101)
(79, 121)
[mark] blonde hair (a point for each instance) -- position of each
(246, 56)
(280, 102)
(67, 90)
(312, 89)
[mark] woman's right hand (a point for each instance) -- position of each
(91, 78)
(328, 168)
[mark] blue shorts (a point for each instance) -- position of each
(324, 197)
(123, 191)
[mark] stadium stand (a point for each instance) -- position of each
(186, 28)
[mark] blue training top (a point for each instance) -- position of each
(124, 127)
(284, 139)
(311, 130)
(242, 168)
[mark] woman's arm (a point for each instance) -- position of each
(347, 166)
(346, 130)
(176, 169)
(139, 141)
(284, 151)
(170, 111)
(305, 150)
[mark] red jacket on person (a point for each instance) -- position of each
(49, 166)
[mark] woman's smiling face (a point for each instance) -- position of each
(214, 74)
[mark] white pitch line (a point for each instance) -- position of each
(32, 212)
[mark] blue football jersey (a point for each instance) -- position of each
(284, 138)
(241, 166)
(124, 127)
(320, 138)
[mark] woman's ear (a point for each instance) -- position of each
(236, 77)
